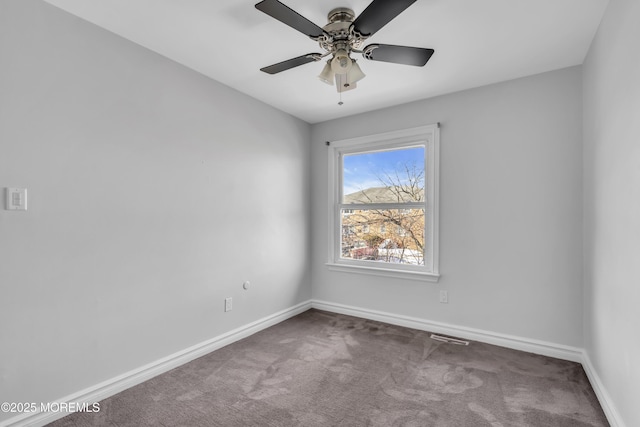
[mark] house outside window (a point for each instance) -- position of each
(383, 215)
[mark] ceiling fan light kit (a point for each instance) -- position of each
(344, 35)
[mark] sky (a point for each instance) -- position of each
(361, 171)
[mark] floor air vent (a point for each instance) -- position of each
(449, 340)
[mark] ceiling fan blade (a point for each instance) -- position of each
(291, 63)
(398, 54)
(290, 17)
(378, 14)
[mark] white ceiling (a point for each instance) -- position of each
(476, 42)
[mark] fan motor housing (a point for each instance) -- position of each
(340, 31)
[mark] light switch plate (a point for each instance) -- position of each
(16, 199)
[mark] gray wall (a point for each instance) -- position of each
(511, 210)
(154, 192)
(612, 206)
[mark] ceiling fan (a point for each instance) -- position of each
(343, 35)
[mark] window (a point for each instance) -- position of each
(383, 215)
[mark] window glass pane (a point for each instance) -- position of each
(392, 176)
(383, 235)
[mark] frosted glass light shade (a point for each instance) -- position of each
(355, 74)
(341, 63)
(327, 74)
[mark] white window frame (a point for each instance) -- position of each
(426, 136)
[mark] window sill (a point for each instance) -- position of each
(384, 272)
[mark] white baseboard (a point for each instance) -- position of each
(613, 416)
(129, 379)
(559, 351)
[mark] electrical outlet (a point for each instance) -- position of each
(444, 297)
(228, 304)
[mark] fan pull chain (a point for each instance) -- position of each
(340, 103)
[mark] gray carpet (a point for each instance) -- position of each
(325, 369)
